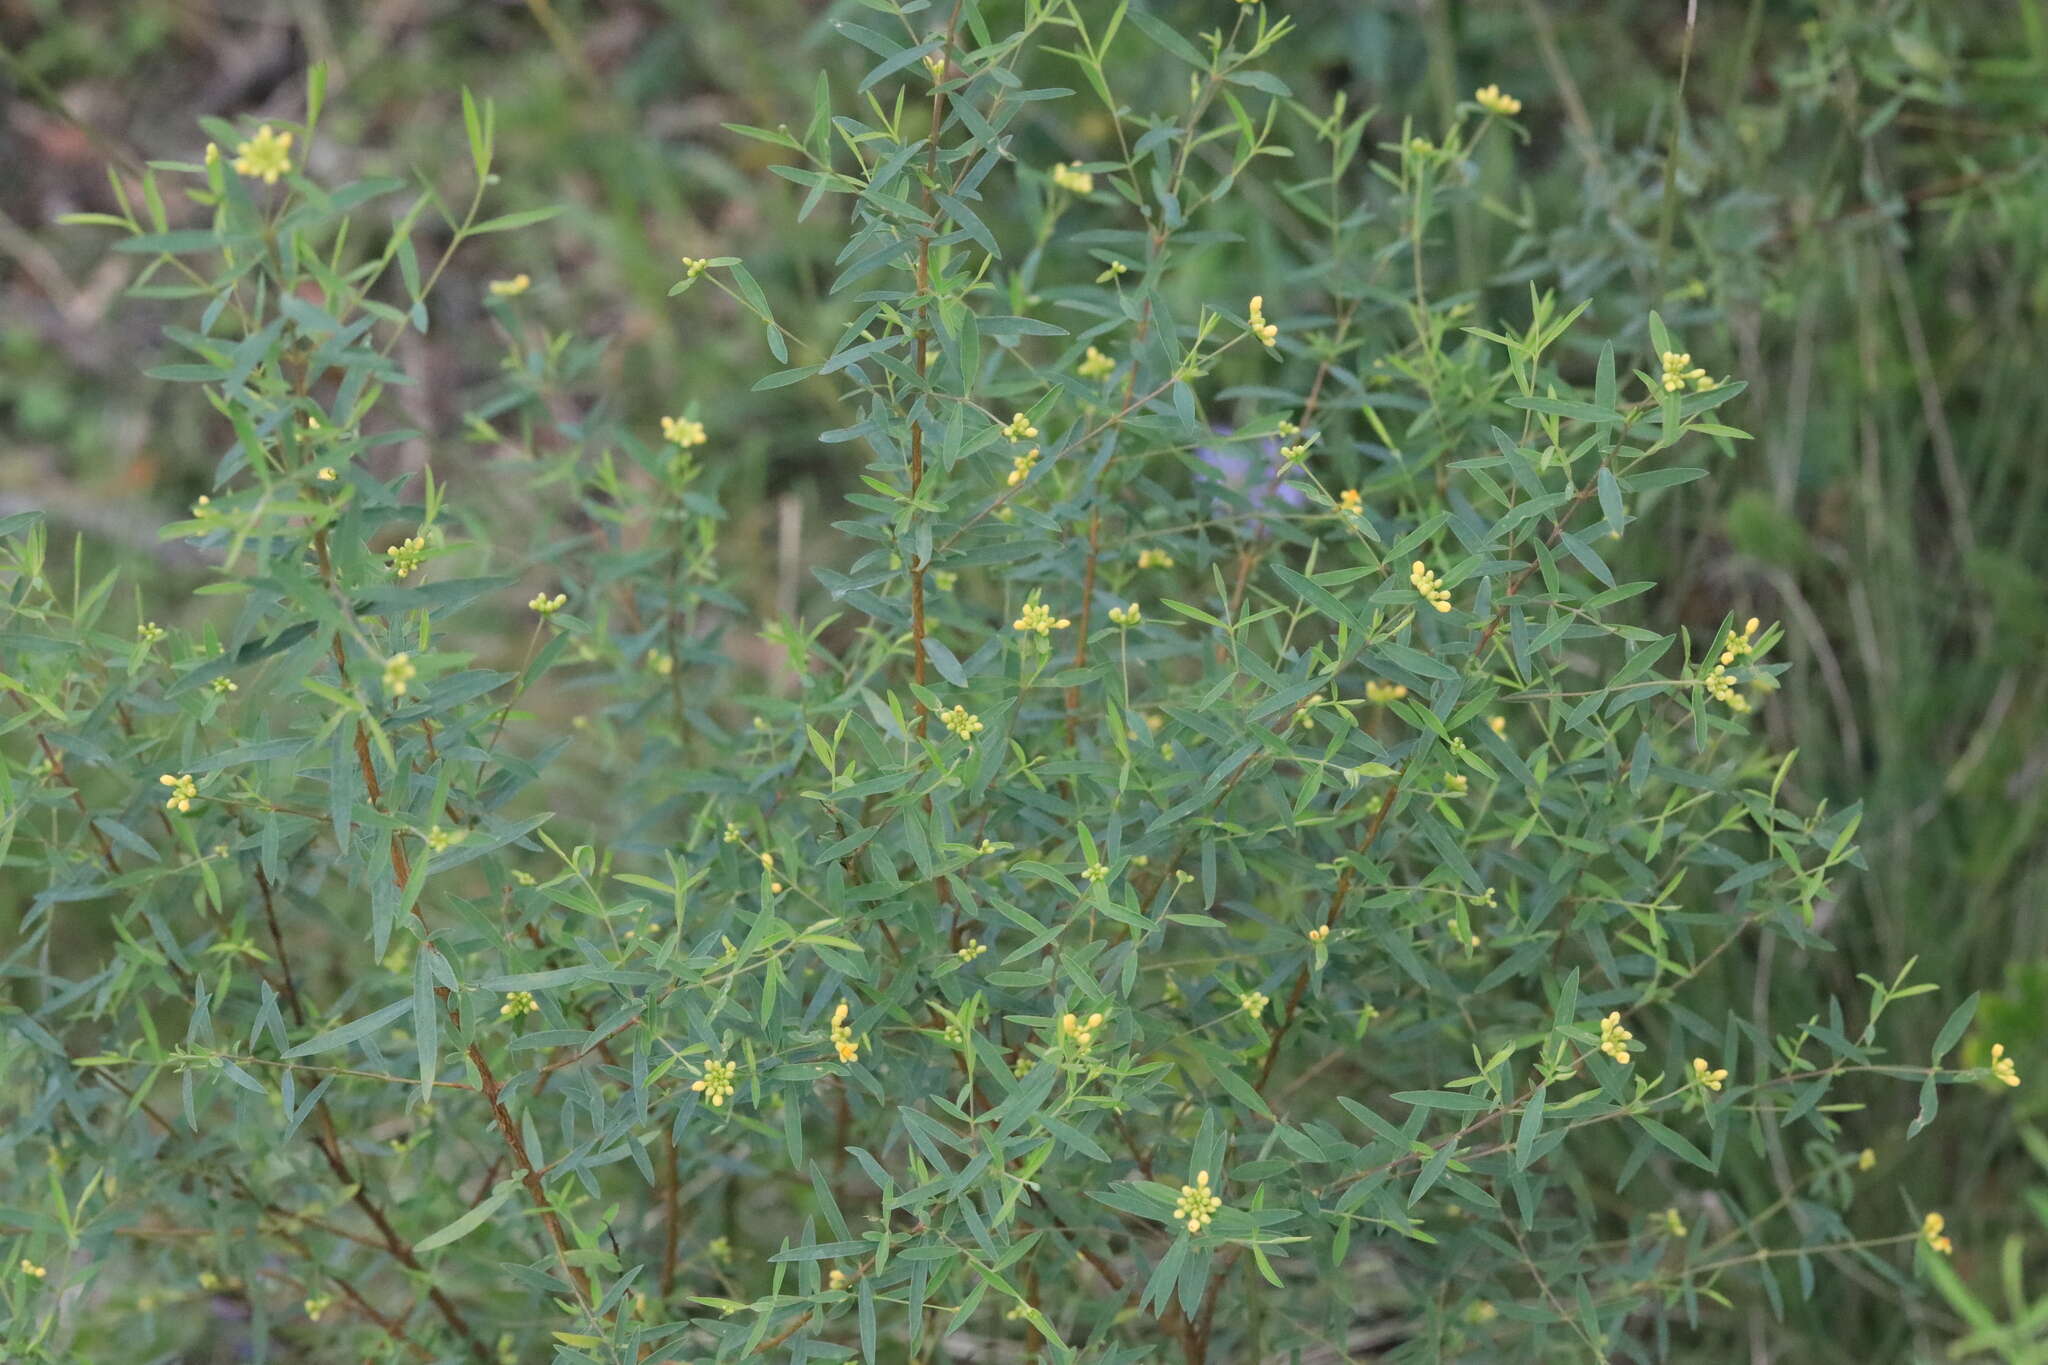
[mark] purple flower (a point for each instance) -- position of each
(1261, 479)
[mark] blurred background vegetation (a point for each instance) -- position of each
(1846, 201)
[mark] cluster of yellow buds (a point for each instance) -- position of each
(842, 1036)
(1866, 1160)
(693, 266)
(659, 662)
(1070, 177)
(1268, 333)
(1126, 616)
(1459, 784)
(1494, 100)
(441, 840)
(399, 671)
(224, 684)
(960, 722)
(732, 832)
(1319, 934)
(265, 156)
(1720, 685)
(1296, 453)
(407, 555)
(1680, 371)
(1429, 586)
(1095, 872)
(1022, 465)
(1350, 503)
(326, 474)
(1114, 269)
(1154, 559)
(518, 1003)
(2002, 1068)
(317, 1304)
(970, 950)
(1037, 618)
(838, 1279)
(32, 1270)
(1738, 646)
(184, 791)
(1497, 724)
(1019, 428)
(1380, 693)
(1710, 1077)
(945, 580)
(1673, 1224)
(149, 632)
(1614, 1039)
(717, 1083)
(545, 605)
(1253, 1003)
(683, 432)
(1080, 1032)
(1094, 364)
(512, 288)
(1198, 1203)
(1931, 1233)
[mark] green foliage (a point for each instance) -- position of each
(1234, 770)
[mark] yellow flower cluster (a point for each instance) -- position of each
(265, 156)
(960, 722)
(1071, 178)
(399, 671)
(693, 266)
(1931, 1233)
(1198, 1203)
(512, 288)
(1497, 724)
(1253, 1003)
(2002, 1068)
(1673, 1224)
(1037, 618)
(149, 632)
(1614, 1039)
(184, 791)
(407, 555)
(441, 840)
(1380, 693)
(1494, 100)
(1429, 587)
(717, 1083)
(1094, 365)
(683, 432)
(32, 1270)
(518, 1003)
(1154, 559)
(317, 1304)
(1268, 333)
(1022, 465)
(1459, 784)
(327, 474)
(1680, 371)
(1126, 616)
(224, 684)
(546, 605)
(1739, 645)
(1019, 428)
(1720, 685)
(1079, 1032)
(842, 1036)
(1350, 503)
(659, 662)
(970, 950)
(1710, 1077)
(1095, 872)
(1319, 934)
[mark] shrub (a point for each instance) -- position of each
(1226, 880)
